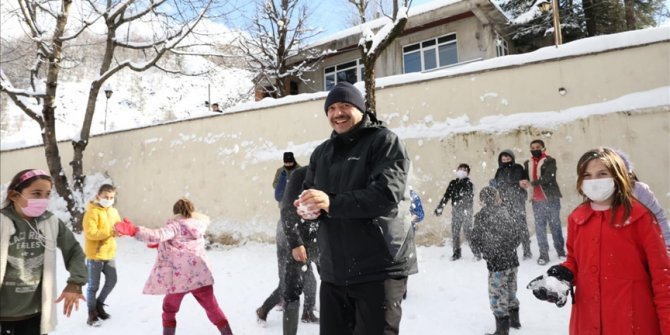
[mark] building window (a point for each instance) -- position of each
(501, 46)
(350, 71)
(430, 54)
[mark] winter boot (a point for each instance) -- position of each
(309, 317)
(102, 314)
(514, 321)
(527, 254)
(502, 326)
(291, 310)
(561, 253)
(169, 330)
(544, 258)
(456, 255)
(93, 319)
(261, 315)
(225, 330)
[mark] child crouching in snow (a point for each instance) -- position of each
(497, 237)
(181, 264)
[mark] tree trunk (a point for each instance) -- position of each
(590, 13)
(629, 8)
(48, 111)
(370, 98)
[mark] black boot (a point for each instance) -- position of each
(502, 326)
(102, 314)
(261, 315)
(291, 310)
(514, 321)
(456, 255)
(309, 317)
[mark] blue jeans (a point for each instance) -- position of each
(548, 213)
(95, 268)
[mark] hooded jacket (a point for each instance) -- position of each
(496, 235)
(620, 273)
(181, 263)
(507, 180)
(98, 222)
(364, 237)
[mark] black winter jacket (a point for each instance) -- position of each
(507, 180)
(496, 235)
(546, 177)
(460, 192)
(364, 237)
(296, 231)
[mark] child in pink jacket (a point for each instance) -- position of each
(181, 265)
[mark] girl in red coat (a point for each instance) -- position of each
(616, 257)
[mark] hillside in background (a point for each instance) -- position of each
(138, 99)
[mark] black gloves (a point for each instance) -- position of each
(554, 286)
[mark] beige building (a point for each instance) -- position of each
(437, 35)
(611, 90)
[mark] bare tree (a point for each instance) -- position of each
(137, 36)
(275, 45)
(373, 44)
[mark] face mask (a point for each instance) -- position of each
(35, 208)
(461, 174)
(536, 153)
(598, 189)
(106, 202)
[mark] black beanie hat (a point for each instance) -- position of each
(288, 157)
(345, 92)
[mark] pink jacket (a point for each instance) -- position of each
(181, 263)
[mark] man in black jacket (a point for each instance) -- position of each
(354, 183)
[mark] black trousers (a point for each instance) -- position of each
(362, 309)
(30, 326)
(289, 269)
(299, 277)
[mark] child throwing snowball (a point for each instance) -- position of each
(181, 264)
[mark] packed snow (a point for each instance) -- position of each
(445, 297)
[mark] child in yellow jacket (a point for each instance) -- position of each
(100, 249)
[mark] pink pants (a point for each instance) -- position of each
(206, 299)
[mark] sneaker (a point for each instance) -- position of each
(527, 255)
(542, 261)
(93, 319)
(309, 317)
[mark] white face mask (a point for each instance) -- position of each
(598, 189)
(106, 202)
(461, 174)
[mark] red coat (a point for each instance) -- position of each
(622, 273)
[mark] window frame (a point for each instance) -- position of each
(428, 45)
(333, 70)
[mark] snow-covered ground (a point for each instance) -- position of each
(445, 297)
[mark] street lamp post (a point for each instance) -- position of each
(545, 6)
(108, 94)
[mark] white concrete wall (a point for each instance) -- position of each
(225, 163)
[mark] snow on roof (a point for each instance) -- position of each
(377, 23)
(580, 47)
